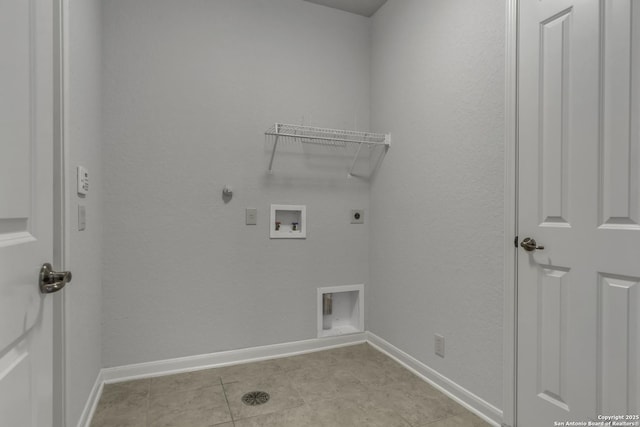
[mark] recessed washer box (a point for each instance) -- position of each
(288, 222)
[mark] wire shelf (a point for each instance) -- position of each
(323, 136)
(327, 136)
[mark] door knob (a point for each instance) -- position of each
(530, 245)
(52, 281)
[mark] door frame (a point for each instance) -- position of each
(60, 203)
(510, 311)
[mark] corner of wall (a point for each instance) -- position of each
(439, 89)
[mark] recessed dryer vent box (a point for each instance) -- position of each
(288, 222)
(340, 310)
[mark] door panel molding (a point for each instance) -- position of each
(553, 301)
(554, 88)
(619, 163)
(18, 119)
(618, 344)
(14, 392)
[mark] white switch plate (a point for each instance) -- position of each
(251, 216)
(83, 180)
(82, 218)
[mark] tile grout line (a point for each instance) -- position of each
(226, 399)
(148, 401)
(438, 420)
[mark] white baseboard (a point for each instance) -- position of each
(225, 358)
(92, 402)
(464, 397)
(205, 361)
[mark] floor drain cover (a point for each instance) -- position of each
(254, 398)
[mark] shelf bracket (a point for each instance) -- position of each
(355, 158)
(273, 153)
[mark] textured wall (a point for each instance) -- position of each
(189, 89)
(84, 249)
(437, 202)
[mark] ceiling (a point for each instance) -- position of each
(361, 7)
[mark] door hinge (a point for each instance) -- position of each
(515, 241)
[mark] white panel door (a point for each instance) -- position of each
(26, 224)
(579, 197)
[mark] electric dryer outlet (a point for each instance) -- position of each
(357, 216)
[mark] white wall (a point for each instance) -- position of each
(84, 248)
(437, 201)
(189, 89)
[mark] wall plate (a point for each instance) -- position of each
(251, 216)
(82, 218)
(357, 216)
(83, 180)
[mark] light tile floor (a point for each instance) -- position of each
(344, 387)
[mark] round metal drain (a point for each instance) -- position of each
(254, 398)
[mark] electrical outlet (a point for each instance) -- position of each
(357, 216)
(83, 181)
(439, 345)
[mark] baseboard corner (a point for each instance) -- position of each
(464, 397)
(92, 401)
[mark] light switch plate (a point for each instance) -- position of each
(82, 218)
(251, 216)
(83, 181)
